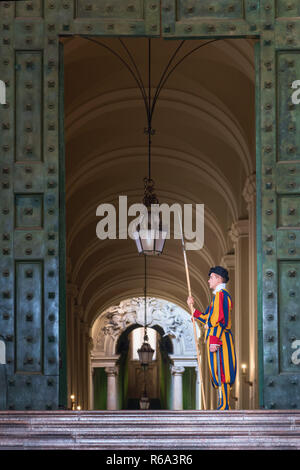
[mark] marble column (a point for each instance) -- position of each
(177, 372)
(249, 194)
(112, 388)
(240, 237)
(92, 390)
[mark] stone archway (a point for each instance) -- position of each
(171, 319)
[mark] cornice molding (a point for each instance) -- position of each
(239, 229)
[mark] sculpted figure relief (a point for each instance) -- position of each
(171, 318)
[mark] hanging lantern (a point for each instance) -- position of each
(150, 237)
(145, 353)
(151, 240)
(144, 401)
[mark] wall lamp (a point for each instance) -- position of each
(244, 375)
(72, 398)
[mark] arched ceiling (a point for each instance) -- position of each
(202, 152)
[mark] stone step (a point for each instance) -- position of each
(165, 430)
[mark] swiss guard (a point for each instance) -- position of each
(219, 338)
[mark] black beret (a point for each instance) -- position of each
(220, 271)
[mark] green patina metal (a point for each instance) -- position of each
(258, 225)
(32, 316)
(62, 241)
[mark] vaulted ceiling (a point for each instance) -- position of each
(202, 152)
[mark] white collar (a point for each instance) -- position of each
(219, 287)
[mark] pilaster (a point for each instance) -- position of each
(249, 194)
(240, 236)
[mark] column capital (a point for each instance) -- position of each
(239, 229)
(228, 261)
(177, 370)
(111, 371)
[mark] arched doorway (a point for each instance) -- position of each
(204, 152)
(155, 379)
(209, 137)
(117, 377)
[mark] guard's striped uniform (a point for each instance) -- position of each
(217, 318)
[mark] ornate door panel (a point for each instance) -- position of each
(193, 18)
(32, 313)
(280, 205)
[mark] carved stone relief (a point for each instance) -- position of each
(174, 321)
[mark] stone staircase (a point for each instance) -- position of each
(152, 429)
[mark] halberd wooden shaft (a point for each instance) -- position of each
(192, 313)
